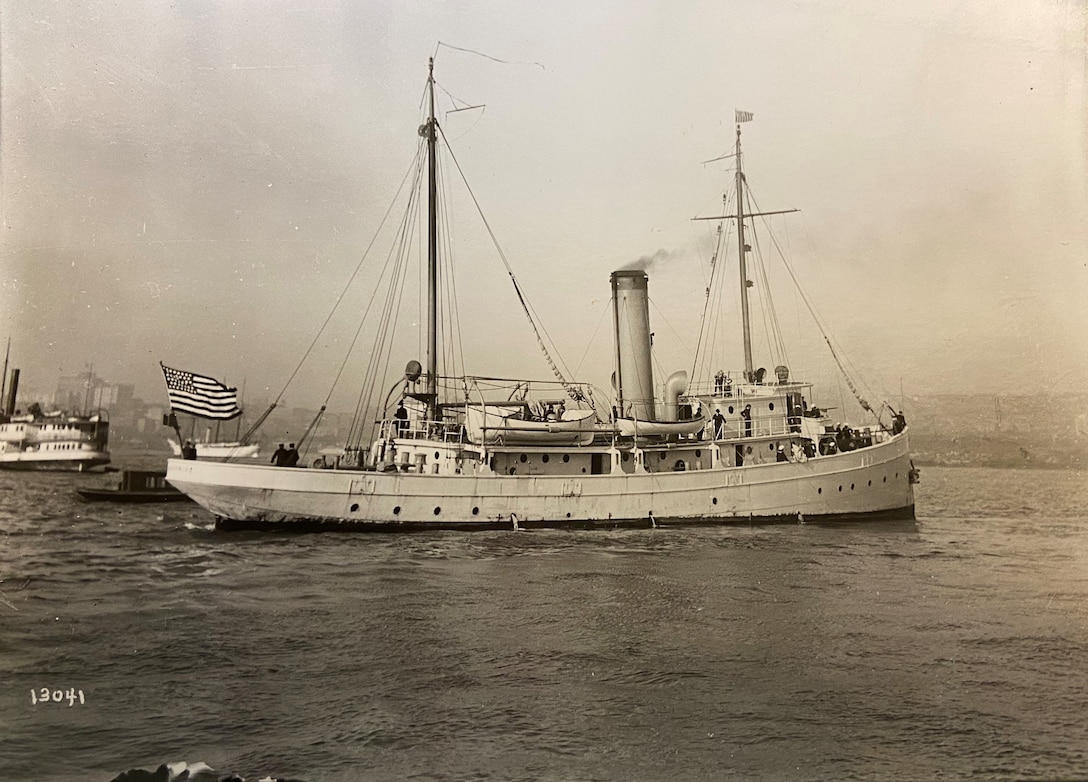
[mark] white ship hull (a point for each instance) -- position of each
(871, 483)
(72, 460)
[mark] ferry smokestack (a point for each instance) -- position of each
(13, 391)
(631, 324)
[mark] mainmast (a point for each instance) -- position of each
(429, 131)
(745, 283)
(742, 246)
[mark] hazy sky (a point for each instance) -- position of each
(193, 182)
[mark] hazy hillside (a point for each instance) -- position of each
(1000, 431)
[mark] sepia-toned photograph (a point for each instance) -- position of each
(556, 392)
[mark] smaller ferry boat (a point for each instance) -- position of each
(54, 440)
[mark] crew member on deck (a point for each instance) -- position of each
(719, 425)
(401, 417)
(746, 414)
(188, 451)
(899, 422)
(291, 459)
(280, 456)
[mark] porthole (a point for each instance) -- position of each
(770, 406)
(476, 511)
(661, 456)
(730, 409)
(627, 457)
(566, 457)
(437, 510)
(583, 469)
(523, 458)
(840, 488)
(770, 446)
(698, 452)
(354, 507)
(897, 475)
(568, 514)
(870, 483)
(851, 487)
(544, 458)
(396, 511)
(713, 500)
(885, 479)
(820, 490)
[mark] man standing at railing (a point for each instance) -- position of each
(899, 422)
(401, 417)
(746, 414)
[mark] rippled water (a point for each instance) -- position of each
(954, 647)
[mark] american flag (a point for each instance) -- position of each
(204, 397)
(744, 116)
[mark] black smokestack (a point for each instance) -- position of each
(9, 404)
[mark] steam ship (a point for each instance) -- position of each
(54, 440)
(472, 451)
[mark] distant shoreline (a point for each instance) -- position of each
(997, 465)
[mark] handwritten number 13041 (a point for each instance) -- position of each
(45, 695)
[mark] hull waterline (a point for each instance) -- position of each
(874, 483)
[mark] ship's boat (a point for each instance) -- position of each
(518, 425)
(220, 451)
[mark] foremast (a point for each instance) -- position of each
(429, 130)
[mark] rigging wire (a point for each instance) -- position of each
(679, 336)
(778, 352)
(332, 311)
(825, 332)
(485, 56)
(574, 392)
(455, 343)
(382, 345)
(772, 332)
(604, 314)
(713, 307)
